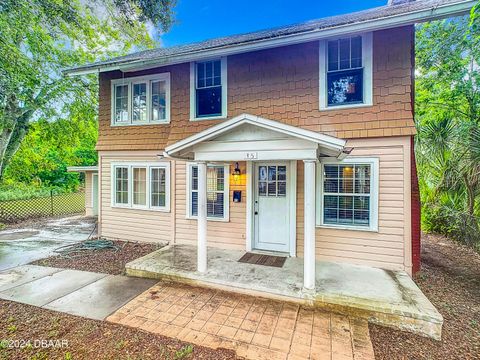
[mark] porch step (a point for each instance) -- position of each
(388, 298)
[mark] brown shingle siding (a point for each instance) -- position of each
(281, 84)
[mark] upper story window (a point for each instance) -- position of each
(346, 72)
(208, 89)
(141, 100)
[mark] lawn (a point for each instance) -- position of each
(450, 278)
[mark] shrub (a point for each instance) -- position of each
(451, 222)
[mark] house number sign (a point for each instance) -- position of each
(250, 156)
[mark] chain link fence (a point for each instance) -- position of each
(12, 211)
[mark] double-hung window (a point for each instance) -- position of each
(158, 187)
(217, 191)
(208, 89)
(346, 71)
(141, 185)
(120, 110)
(141, 100)
(348, 194)
(121, 185)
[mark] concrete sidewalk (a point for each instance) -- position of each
(82, 293)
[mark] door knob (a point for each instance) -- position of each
(256, 212)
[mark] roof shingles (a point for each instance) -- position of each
(396, 7)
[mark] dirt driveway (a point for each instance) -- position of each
(24, 244)
(450, 278)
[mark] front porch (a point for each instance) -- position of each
(384, 297)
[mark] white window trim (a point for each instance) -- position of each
(135, 80)
(223, 64)
(148, 166)
(374, 191)
(226, 197)
(367, 62)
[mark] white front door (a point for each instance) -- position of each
(272, 207)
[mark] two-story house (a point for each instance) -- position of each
(296, 140)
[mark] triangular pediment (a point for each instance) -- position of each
(249, 133)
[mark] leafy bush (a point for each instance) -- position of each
(451, 222)
(22, 192)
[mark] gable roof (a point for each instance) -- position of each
(330, 143)
(396, 13)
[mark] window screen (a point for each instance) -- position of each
(216, 196)
(157, 187)
(139, 106)
(139, 186)
(346, 194)
(158, 100)
(208, 88)
(345, 71)
(121, 103)
(121, 185)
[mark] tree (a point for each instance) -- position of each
(448, 103)
(448, 117)
(39, 38)
(50, 147)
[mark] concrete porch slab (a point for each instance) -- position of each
(384, 297)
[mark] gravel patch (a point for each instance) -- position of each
(79, 338)
(108, 261)
(450, 278)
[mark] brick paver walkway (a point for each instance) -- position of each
(255, 328)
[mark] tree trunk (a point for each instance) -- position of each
(470, 196)
(12, 139)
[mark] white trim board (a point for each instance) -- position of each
(82, 168)
(94, 175)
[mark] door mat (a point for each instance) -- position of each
(266, 260)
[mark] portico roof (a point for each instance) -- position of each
(245, 136)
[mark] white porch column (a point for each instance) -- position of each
(202, 218)
(309, 223)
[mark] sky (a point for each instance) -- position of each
(198, 20)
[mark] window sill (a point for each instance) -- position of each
(142, 208)
(164, 122)
(209, 219)
(220, 117)
(340, 107)
(347, 227)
